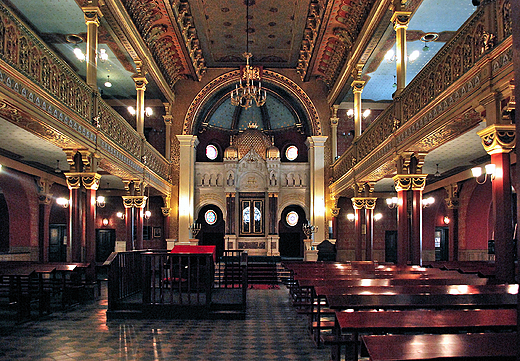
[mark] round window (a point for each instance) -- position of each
(210, 217)
(211, 152)
(292, 218)
(291, 153)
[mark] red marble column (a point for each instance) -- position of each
(416, 227)
(369, 236)
(504, 246)
(91, 183)
(75, 226)
(403, 227)
(129, 223)
(359, 210)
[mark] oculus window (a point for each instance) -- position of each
(211, 152)
(210, 217)
(291, 153)
(292, 218)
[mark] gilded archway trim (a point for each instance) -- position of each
(268, 76)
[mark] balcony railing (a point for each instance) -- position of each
(488, 27)
(33, 71)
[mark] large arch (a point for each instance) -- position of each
(271, 80)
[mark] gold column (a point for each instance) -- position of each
(357, 89)
(334, 132)
(92, 14)
(400, 19)
(140, 87)
(168, 123)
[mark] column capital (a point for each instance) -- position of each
(335, 211)
(73, 179)
(452, 203)
(498, 138)
(90, 180)
(134, 201)
(188, 140)
(404, 182)
(166, 211)
(316, 141)
(140, 82)
(400, 19)
(92, 14)
(358, 85)
(364, 202)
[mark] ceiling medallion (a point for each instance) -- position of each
(249, 88)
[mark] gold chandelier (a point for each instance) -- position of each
(249, 88)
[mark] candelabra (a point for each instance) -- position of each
(195, 229)
(309, 229)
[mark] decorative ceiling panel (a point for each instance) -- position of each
(275, 31)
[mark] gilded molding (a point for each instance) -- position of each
(134, 201)
(498, 138)
(73, 180)
(452, 203)
(166, 211)
(335, 211)
(90, 180)
(400, 19)
(363, 203)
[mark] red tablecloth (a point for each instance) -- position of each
(181, 249)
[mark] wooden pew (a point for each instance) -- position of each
(419, 321)
(470, 346)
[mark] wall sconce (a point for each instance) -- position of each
(120, 215)
(100, 201)
(147, 214)
(103, 55)
(378, 216)
(64, 202)
(147, 111)
(446, 220)
(351, 217)
(366, 113)
(392, 202)
(105, 222)
(391, 56)
(426, 202)
(477, 172)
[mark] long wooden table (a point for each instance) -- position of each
(469, 346)
(424, 320)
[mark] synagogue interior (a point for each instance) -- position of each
(165, 161)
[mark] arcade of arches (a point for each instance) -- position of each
(257, 178)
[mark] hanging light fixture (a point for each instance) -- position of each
(249, 88)
(437, 173)
(108, 84)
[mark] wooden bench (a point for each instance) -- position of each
(419, 321)
(471, 346)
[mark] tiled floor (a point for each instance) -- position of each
(271, 331)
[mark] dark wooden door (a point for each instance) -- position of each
(391, 246)
(105, 243)
(57, 243)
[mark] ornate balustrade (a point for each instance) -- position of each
(32, 75)
(458, 71)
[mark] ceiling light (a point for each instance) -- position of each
(108, 84)
(57, 169)
(249, 87)
(437, 173)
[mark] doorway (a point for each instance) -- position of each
(441, 243)
(57, 243)
(212, 228)
(105, 243)
(290, 231)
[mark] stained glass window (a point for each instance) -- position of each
(211, 217)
